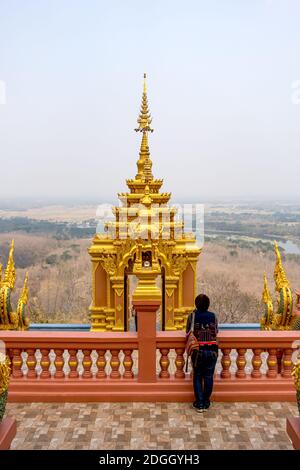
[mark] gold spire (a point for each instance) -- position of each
(144, 163)
(144, 119)
(266, 296)
(25, 290)
(23, 299)
(267, 318)
(10, 272)
(279, 273)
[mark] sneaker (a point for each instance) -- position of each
(198, 408)
(207, 406)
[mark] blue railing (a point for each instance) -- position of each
(86, 326)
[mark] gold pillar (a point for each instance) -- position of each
(188, 286)
(118, 288)
(99, 301)
(170, 289)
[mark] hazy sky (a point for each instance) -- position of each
(220, 77)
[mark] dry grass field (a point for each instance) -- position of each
(234, 279)
(72, 213)
(60, 277)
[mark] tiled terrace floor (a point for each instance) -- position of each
(151, 426)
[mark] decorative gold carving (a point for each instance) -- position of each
(267, 318)
(296, 373)
(10, 320)
(4, 372)
(179, 264)
(109, 265)
(283, 318)
(147, 287)
(119, 292)
(23, 320)
(279, 273)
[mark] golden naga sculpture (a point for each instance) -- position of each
(296, 376)
(4, 381)
(144, 235)
(267, 300)
(10, 320)
(284, 318)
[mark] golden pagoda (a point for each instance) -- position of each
(143, 235)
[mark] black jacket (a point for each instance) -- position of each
(204, 321)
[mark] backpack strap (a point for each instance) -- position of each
(186, 364)
(191, 330)
(192, 322)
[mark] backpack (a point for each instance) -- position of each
(191, 340)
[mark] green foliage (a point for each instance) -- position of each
(66, 256)
(75, 247)
(51, 259)
(233, 253)
(58, 230)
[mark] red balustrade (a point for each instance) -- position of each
(101, 363)
(64, 362)
(164, 363)
(115, 364)
(59, 364)
(226, 363)
(256, 363)
(279, 355)
(73, 364)
(179, 363)
(272, 363)
(45, 364)
(17, 364)
(241, 363)
(287, 363)
(31, 364)
(86, 364)
(128, 363)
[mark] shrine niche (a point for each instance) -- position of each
(144, 234)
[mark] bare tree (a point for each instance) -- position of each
(227, 299)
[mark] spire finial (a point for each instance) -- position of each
(23, 299)
(144, 119)
(24, 293)
(279, 273)
(266, 296)
(10, 272)
(144, 163)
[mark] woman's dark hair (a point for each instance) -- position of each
(202, 302)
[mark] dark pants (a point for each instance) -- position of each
(204, 364)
